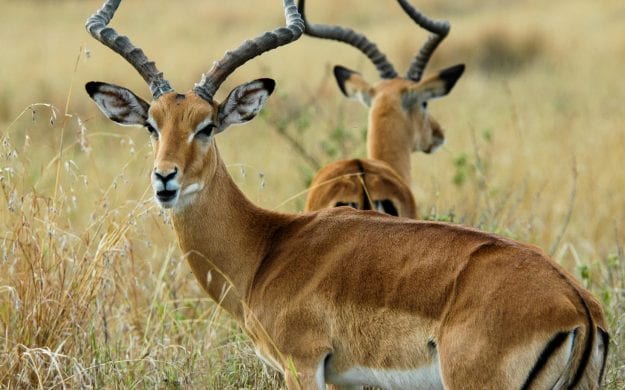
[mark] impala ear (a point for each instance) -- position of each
(119, 104)
(440, 84)
(433, 87)
(353, 85)
(244, 102)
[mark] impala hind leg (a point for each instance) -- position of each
(472, 361)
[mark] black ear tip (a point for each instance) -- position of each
(91, 87)
(268, 84)
(453, 72)
(341, 74)
(451, 75)
(460, 68)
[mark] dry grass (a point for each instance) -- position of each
(94, 292)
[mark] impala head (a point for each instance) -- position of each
(397, 102)
(182, 126)
(401, 103)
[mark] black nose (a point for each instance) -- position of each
(167, 177)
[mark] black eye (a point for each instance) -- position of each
(206, 131)
(152, 130)
(424, 105)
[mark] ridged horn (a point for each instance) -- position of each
(97, 25)
(439, 30)
(352, 38)
(249, 49)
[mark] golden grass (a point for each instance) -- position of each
(94, 292)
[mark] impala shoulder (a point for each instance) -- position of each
(288, 226)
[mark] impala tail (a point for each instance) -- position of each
(583, 349)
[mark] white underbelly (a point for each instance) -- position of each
(425, 377)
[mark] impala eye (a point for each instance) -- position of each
(152, 130)
(206, 131)
(424, 105)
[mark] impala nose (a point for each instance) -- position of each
(165, 184)
(164, 176)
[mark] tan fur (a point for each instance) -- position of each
(344, 181)
(394, 133)
(353, 288)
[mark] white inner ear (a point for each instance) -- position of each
(120, 105)
(243, 104)
(433, 90)
(361, 95)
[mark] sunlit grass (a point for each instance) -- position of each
(94, 291)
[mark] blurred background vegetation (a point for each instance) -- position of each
(93, 290)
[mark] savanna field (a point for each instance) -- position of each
(94, 292)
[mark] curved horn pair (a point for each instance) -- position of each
(97, 25)
(439, 30)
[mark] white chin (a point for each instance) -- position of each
(437, 146)
(168, 204)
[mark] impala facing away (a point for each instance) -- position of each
(443, 306)
(398, 123)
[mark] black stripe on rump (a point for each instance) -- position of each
(590, 340)
(605, 337)
(550, 348)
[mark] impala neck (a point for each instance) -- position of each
(225, 237)
(390, 142)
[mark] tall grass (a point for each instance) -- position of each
(104, 298)
(93, 289)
